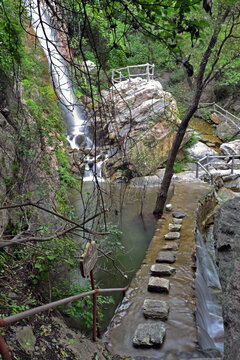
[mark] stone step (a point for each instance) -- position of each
(165, 257)
(162, 270)
(155, 309)
(149, 334)
(170, 246)
(172, 236)
(178, 214)
(157, 284)
(177, 221)
(174, 227)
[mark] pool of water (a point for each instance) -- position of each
(124, 204)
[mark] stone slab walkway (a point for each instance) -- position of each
(181, 335)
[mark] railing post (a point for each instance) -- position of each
(129, 76)
(95, 314)
(148, 76)
(153, 67)
(232, 167)
(4, 349)
(212, 181)
(113, 76)
(197, 169)
(207, 162)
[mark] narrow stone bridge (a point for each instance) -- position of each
(157, 317)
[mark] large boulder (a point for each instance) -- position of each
(226, 130)
(141, 121)
(199, 150)
(231, 148)
(227, 243)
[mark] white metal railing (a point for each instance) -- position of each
(234, 120)
(125, 73)
(209, 160)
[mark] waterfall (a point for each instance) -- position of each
(77, 125)
(207, 292)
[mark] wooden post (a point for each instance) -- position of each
(232, 167)
(95, 313)
(113, 76)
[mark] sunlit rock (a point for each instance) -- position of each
(174, 227)
(155, 309)
(178, 214)
(231, 148)
(168, 207)
(142, 120)
(177, 221)
(170, 246)
(150, 334)
(157, 284)
(165, 257)
(172, 236)
(199, 150)
(162, 270)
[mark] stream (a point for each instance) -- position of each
(140, 246)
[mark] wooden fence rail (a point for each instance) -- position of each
(125, 73)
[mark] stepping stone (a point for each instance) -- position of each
(155, 309)
(157, 284)
(177, 221)
(165, 257)
(162, 270)
(178, 214)
(174, 227)
(170, 246)
(150, 334)
(172, 236)
(168, 207)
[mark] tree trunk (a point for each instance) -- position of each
(162, 195)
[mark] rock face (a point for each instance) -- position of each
(149, 334)
(199, 150)
(138, 122)
(155, 309)
(227, 242)
(231, 148)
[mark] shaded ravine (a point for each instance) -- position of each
(181, 331)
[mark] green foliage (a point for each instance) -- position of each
(10, 36)
(113, 241)
(192, 141)
(81, 308)
(178, 166)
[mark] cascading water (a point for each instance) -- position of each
(77, 124)
(207, 291)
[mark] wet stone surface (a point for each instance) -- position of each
(157, 284)
(165, 257)
(169, 246)
(174, 227)
(149, 334)
(155, 309)
(172, 236)
(162, 270)
(177, 221)
(178, 214)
